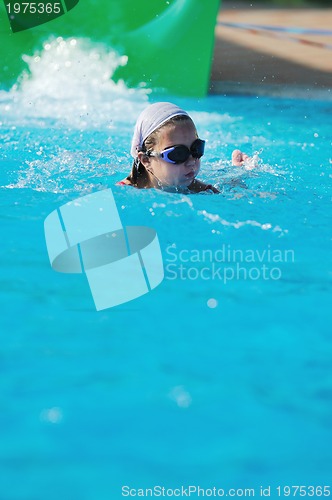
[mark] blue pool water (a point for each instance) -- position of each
(221, 376)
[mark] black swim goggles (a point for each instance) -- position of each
(180, 154)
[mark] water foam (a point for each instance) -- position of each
(69, 83)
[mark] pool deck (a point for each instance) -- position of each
(251, 60)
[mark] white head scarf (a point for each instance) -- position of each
(150, 119)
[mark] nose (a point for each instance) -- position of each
(191, 161)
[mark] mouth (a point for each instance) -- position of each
(190, 175)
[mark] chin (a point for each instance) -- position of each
(187, 182)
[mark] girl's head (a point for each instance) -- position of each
(158, 163)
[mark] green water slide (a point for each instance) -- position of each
(169, 43)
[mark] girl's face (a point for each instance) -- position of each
(169, 174)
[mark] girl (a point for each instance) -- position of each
(166, 151)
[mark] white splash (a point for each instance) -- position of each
(70, 83)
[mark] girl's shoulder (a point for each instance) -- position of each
(124, 182)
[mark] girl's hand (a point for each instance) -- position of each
(238, 158)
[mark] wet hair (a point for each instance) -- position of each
(138, 176)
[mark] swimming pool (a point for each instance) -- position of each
(221, 376)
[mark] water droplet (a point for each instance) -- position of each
(181, 397)
(212, 303)
(52, 415)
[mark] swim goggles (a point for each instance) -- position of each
(180, 154)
